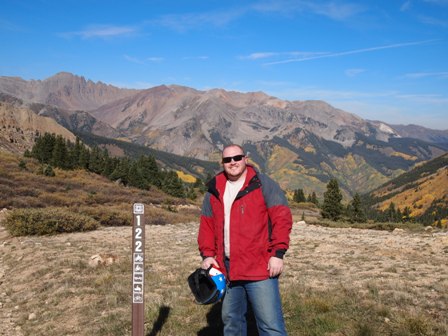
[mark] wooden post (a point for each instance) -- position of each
(138, 270)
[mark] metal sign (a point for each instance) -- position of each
(138, 270)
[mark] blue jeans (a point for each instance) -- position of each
(264, 297)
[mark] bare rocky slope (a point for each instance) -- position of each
(20, 126)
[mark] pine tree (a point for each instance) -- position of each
(75, 152)
(314, 199)
(84, 158)
(150, 170)
(59, 153)
(121, 171)
(299, 196)
(199, 184)
(109, 164)
(356, 213)
(43, 148)
(391, 213)
(173, 185)
(96, 161)
(332, 206)
(406, 215)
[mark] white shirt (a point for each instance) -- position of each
(232, 189)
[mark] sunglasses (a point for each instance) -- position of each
(235, 158)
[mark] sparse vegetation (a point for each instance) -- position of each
(54, 151)
(84, 193)
(23, 222)
(338, 292)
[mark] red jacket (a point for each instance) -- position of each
(260, 225)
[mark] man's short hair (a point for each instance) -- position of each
(233, 145)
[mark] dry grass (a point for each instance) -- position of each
(337, 282)
(82, 192)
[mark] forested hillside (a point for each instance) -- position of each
(420, 194)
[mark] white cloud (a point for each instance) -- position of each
(200, 58)
(350, 52)
(10, 26)
(288, 54)
(155, 59)
(147, 59)
(260, 55)
(354, 72)
(336, 11)
(433, 99)
(133, 59)
(433, 21)
(417, 75)
(405, 6)
(438, 2)
(102, 31)
(185, 22)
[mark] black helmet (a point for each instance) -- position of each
(208, 286)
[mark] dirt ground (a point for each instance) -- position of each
(399, 265)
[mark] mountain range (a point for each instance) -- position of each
(301, 144)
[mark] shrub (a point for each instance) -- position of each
(22, 222)
(47, 170)
(114, 218)
(22, 165)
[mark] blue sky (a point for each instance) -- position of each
(380, 59)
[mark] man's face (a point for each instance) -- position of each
(234, 169)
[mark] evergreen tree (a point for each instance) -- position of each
(75, 152)
(109, 164)
(22, 165)
(136, 176)
(313, 198)
(121, 171)
(150, 170)
(356, 213)
(47, 170)
(406, 215)
(199, 184)
(190, 193)
(84, 158)
(299, 196)
(398, 216)
(59, 153)
(391, 213)
(173, 185)
(43, 148)
(332, 206)
(96, 160)
(27, 153)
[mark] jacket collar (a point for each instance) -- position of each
(217, 185)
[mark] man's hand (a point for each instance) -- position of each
(207, 262)
(275, 267)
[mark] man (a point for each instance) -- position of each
(244, 230)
